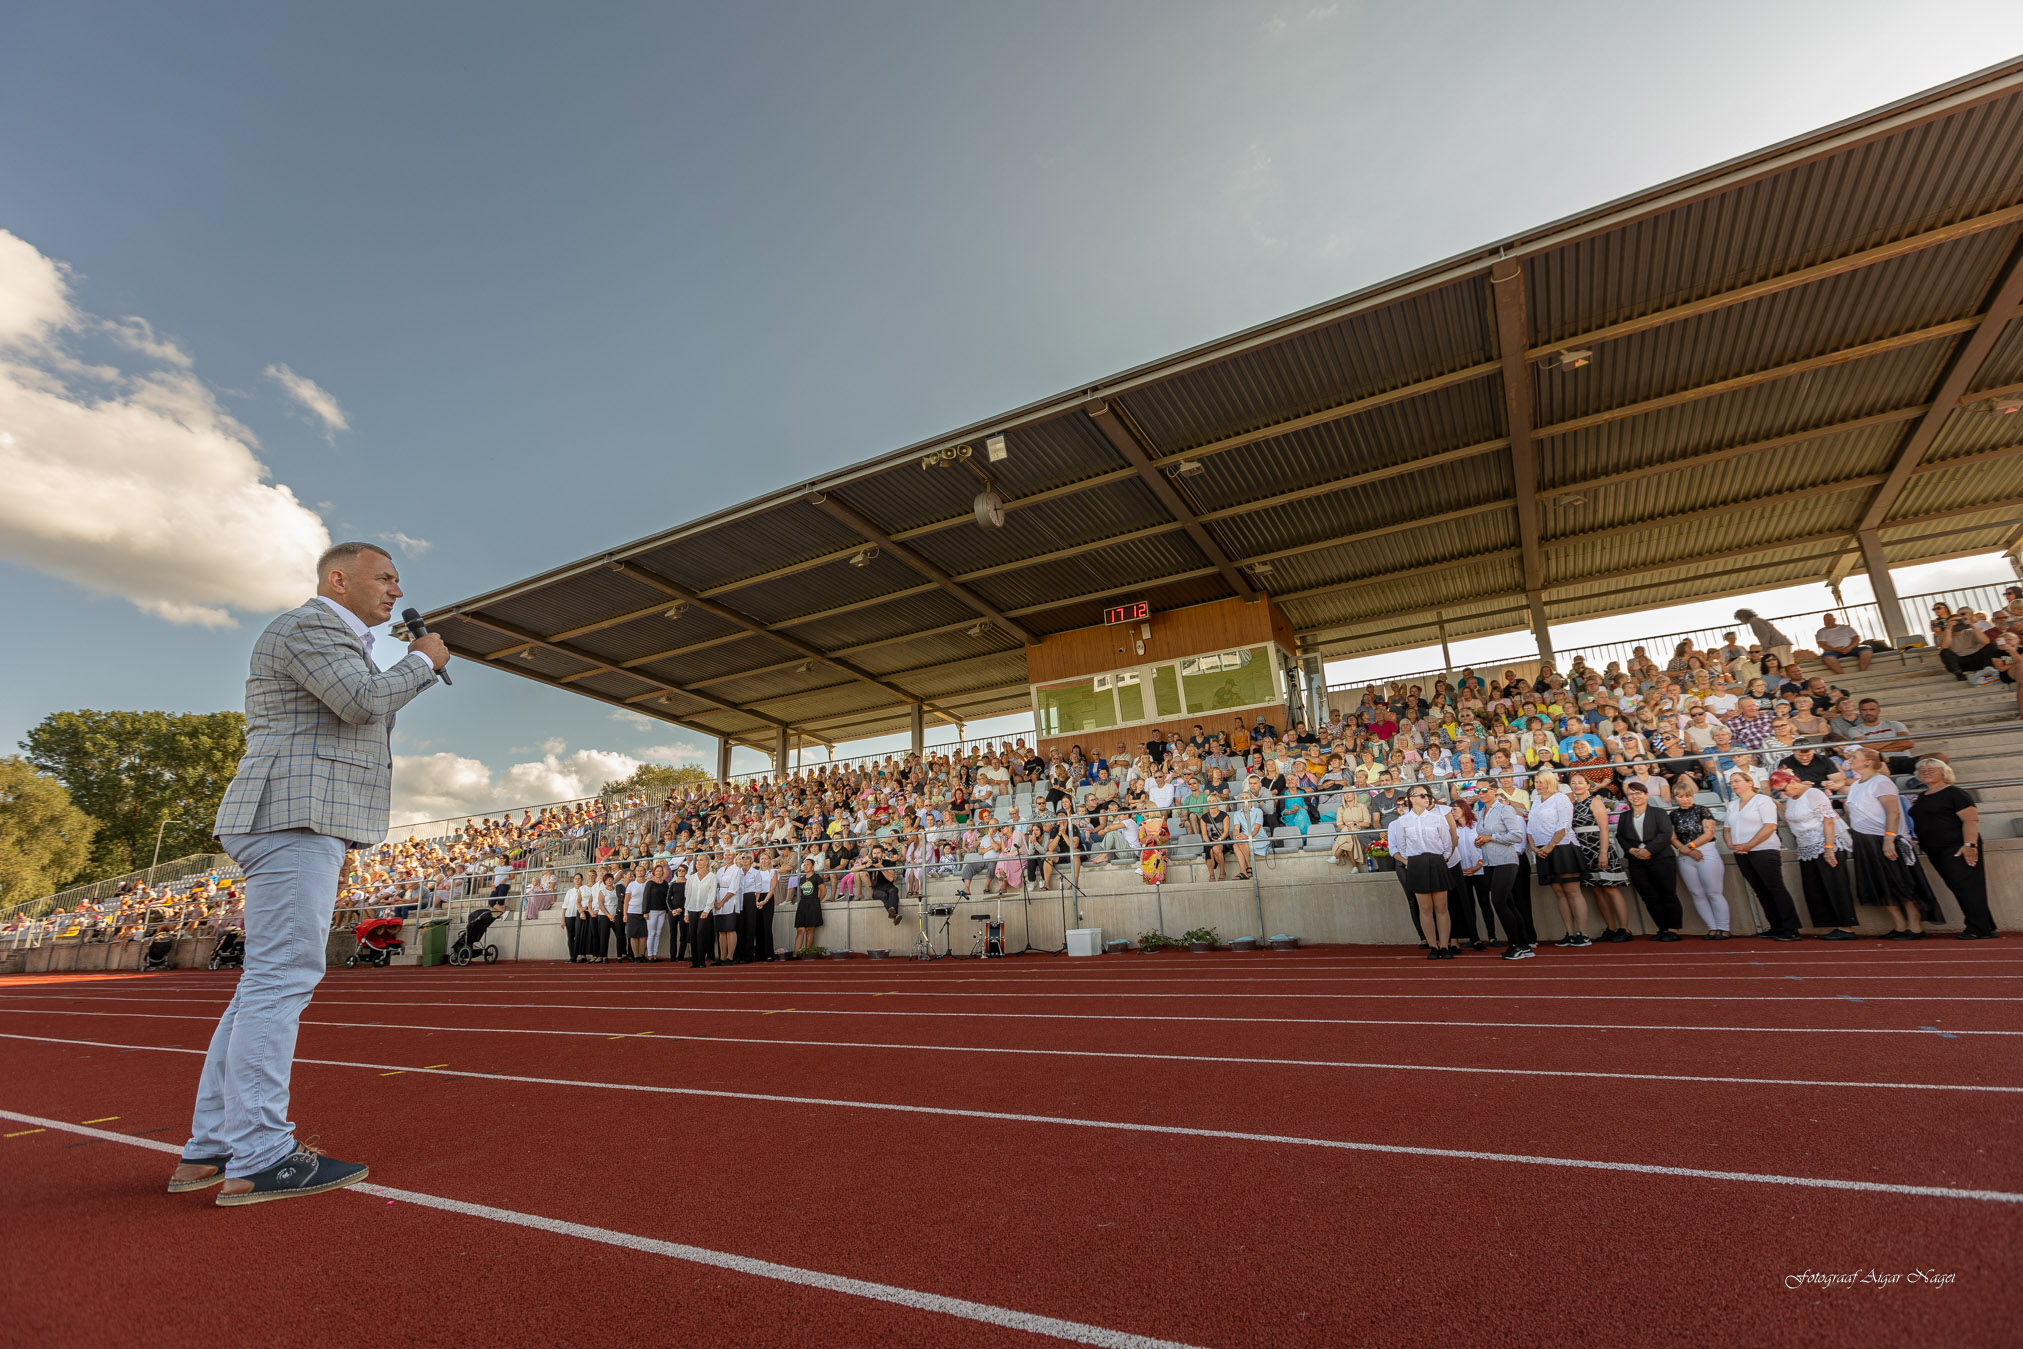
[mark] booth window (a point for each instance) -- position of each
(1228, 679)
(1074, 706)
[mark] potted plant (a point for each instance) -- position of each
(1200, 939)
(1152, 942)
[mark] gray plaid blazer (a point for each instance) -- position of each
(319, 724)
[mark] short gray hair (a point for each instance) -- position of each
(345, 555)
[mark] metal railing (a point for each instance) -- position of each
(1865, 618)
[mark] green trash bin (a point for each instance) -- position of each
(435, 942)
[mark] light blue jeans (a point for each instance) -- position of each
(242, 1097)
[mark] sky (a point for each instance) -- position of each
(502, 284)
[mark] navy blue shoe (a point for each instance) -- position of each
(303, 1171)
(217, 1176)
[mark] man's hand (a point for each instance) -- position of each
(432, 648)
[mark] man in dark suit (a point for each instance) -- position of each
(1644, 833)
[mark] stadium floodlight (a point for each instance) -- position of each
(675, 611)
(1573, 358)
(1187, 468)
(976, 631)
(862, 557)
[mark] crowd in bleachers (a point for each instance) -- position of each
(1708, 738)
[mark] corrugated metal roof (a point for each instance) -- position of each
(1396, 389)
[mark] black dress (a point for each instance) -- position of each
(808, 902)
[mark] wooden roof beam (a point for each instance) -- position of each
(753, 625)
(1116, 426)
(855, 520)
(603, 666)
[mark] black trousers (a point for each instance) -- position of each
(1764, 871)
(1657, 884)
(1411, 900)
(573, 929)
(1829, 892)
(677, 941)
(1460, 906)
(762, 930)
(1478, 891)
(701, 931)
(887, 893)
(1970, 889)
(1512, 901)
(748, 929)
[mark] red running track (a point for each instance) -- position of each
(1619, 1145)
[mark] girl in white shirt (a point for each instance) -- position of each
(1422, 838)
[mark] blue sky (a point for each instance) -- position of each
(545, 278)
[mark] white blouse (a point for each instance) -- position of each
(1807, 817)
(1746, 820)
(1421, 832)
(1550, 815)
(1865, 805)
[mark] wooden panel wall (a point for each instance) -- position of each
(1192, 631)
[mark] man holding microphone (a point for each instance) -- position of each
(316, 780)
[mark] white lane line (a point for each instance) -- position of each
(1245, 1060)
(1176, 1019)
(1076, 1332)
(1165, 1130)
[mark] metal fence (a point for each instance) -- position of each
(1865, 618)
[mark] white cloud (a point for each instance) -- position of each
(674, 754)
(144, 488)
(441, 785)
(639, 719)
(137, 334)
(409, 545)
(318, 401)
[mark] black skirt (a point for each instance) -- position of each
(635, 925)
(1562, 864)
(1426, 873)
(727, 922)
(1879, 880)
(808, 912)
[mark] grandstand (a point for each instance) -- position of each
(1786, 368)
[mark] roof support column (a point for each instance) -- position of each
(917, 727)
(1446, 655)
(1317, 691)
(1884, 586)
(723, 759)
(1541, 631)
(781, 750)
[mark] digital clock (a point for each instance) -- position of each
(1128, 613)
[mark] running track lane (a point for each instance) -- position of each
(1206, 1240)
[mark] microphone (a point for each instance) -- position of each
(411, 620)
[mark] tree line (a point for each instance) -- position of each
(100, 794)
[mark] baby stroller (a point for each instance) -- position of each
(230, 952)
(378, 941)
(471, 944)
(160, 944)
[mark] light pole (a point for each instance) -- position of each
(158, 838)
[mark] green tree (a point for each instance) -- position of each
(44, 839)
(139, 772)
(655, 780)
